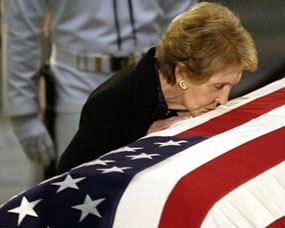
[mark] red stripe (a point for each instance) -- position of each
(201, 188)
(280, 223)
(239, 115)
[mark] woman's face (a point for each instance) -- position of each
(201, 98)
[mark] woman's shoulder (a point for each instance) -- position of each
(134, 84)
(117, 89)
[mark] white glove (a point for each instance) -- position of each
(34, 138)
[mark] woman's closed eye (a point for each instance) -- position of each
(219, 86)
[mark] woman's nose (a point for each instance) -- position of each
(223, 96)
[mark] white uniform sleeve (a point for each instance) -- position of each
(22, 29)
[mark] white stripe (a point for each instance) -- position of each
(220, 110)
(142, 208)
(255, 204)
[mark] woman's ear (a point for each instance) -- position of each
(181, 71)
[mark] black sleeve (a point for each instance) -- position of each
(104, 126)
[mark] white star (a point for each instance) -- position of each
(142, 155)
(89, 207)
(95, 162)
(26, 208)
(114, 169)
(125, 149)
(170, 143)
(68, 182)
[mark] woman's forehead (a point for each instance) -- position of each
(229, 75)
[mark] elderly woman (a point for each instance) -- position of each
(191, 71)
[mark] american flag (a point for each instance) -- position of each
(225, 168)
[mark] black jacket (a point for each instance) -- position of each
(117, 113)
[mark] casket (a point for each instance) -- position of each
(223, 169)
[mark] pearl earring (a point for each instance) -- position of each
(182, 84)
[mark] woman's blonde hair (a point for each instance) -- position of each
(207, 38)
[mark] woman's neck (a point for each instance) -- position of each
(172, 94)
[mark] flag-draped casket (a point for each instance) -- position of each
(225, 168)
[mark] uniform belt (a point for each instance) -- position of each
(96, 62)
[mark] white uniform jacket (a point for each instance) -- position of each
(78, 27)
